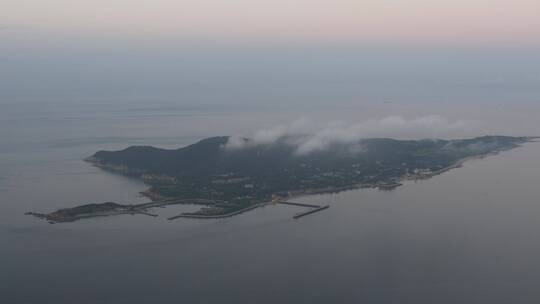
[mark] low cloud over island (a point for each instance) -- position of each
(308, 136)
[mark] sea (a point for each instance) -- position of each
(470, 235)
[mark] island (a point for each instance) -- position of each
(227, 180)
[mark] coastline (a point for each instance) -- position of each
(158, 200)
(154, 196)
(459, 163)
(316, 191)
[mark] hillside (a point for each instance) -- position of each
(243, 176)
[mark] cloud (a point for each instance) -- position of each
(269, 136)
(307, 136)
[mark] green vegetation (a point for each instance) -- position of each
(89, 210)
(234, 179)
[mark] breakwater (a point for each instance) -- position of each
(311, 211)
(299, 204)
(314, 208)
(203, 216)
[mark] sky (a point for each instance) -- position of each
(390, 21)
(264, 52)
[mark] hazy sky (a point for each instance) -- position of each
(420, 21)
(270, 51)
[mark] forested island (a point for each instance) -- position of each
(227, 181)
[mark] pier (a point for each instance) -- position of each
(298, 204)
(299, 215)
(204, 216)
(314, 208)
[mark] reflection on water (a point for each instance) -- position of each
(467, 236)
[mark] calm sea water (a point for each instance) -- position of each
(467, 236)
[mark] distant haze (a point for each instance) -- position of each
(75, 71)
(270, 53)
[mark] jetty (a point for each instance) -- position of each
(299, 215)
(206, 216)
(314, 208)
(298, 204)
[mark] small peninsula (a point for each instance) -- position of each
(228, 180)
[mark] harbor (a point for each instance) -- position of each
(203, 216)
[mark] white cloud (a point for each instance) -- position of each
(308, 136)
